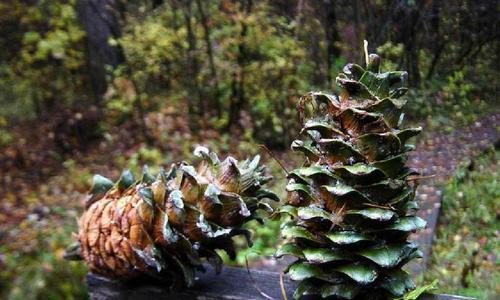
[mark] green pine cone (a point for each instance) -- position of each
(351, 206)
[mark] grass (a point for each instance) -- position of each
(468, 236)
(32, 266)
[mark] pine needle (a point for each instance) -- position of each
(275, 158)
(254, 283)
(413, 178)
(282, 287)
(379, 206)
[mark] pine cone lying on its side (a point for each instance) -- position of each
(168, 224)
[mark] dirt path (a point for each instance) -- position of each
(440, 155)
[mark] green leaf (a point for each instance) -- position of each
(360, 273)
(289, 249)
(415, 294)
(407, 206)
(377, 214)
(73, 252)
(230, 232)
(172, 173)
(346, 237)
(398, 92)
(100, 185)
(126, 180)
(176, 198)
(254, 163)
(405, 172)
(208, 156)
(302, 189)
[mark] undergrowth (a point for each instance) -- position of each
(465, 249)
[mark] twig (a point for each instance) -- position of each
(282, 286)
(413, 178)
(275, 158)
(365, 44)
(379, 206)
(254, 283)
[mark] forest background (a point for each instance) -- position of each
(95, 86)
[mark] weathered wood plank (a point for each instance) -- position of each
(233, 284)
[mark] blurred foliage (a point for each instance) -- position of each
(465, 249)
(254, 52)
(447, 104)
(31, 259)
(45, 70)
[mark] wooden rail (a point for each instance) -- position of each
(232, 284)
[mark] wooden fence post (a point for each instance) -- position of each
(233, 283)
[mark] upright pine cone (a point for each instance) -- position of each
(166, 225)
(352, 204)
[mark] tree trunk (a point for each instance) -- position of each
(213, 71)
(332, 36)
(193, 67)
(408, 18)
(238, 96)
(438, 44)
(100, 23)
